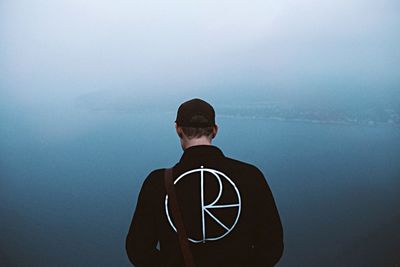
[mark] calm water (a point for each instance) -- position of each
(69, 182)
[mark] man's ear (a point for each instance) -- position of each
(215, 131)
(179, 131)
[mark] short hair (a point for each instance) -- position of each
(193, 132)
(196, 132)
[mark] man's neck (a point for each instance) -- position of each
(197, 142)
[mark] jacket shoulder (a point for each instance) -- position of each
(154, 181)
(245, 166)
(155, 174)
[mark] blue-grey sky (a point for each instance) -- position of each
(54, 51)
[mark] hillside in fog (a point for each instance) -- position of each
(371, 113)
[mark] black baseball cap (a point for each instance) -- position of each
(195, 113)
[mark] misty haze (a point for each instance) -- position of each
(307, 91)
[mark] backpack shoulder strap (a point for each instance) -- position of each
(173, 204)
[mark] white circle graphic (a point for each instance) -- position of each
(205, 208)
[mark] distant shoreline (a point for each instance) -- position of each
(311, 121)
(372, 115)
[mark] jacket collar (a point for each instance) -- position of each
(201, 151)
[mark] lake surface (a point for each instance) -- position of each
(69, 181)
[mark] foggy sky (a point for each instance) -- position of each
(55, 51)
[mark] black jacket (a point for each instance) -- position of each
(228, 211)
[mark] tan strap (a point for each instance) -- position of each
(173, 204)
